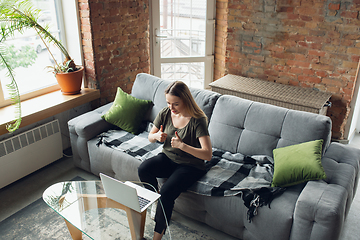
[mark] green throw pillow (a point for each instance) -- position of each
(127, 112)
(298, 163)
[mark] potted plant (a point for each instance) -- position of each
(17, 16)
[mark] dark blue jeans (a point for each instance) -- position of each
(179, 179)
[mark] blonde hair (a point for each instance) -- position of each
(181, 90)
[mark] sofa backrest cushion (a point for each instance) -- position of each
(149, 87)
(205, 99)
(145, 87)
(251, 128)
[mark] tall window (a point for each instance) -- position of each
(183, 40)
(28, 55)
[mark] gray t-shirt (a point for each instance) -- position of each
(197, 127)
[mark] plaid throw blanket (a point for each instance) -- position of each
(137, 146)
(234, 174)
(228, 174)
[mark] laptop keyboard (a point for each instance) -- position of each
(143, 202)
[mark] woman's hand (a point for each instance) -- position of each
(176, 141)
(160, 135)
(157, 134)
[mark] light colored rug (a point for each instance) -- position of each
(351, 229)
(38, 221)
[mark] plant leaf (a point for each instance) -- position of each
(14, 94)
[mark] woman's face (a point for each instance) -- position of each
(175, 104)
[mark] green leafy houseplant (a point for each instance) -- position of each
(23, 57)
(18, 16)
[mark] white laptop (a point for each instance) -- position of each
(128, 193)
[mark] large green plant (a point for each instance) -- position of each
(23, 57)
(18, 16)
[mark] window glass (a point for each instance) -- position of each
(183, 41)
(191, 73)
(182, 27)
(28, 55)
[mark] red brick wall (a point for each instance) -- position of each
(307, 43)
(115, 38)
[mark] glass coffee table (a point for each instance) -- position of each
(79, 203)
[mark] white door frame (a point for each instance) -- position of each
(353, 123)
(208, 59)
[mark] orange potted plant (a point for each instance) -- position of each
(69, 78)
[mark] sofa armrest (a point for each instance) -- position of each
(84, 128)
(319, 212)
(322, 206)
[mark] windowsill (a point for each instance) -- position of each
(44, 106)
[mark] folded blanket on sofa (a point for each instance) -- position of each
(136, 146)
(234, 174)
(228, 174)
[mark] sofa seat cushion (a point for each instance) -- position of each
(229, 214)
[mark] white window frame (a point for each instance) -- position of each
(208, 59)
(69, 23)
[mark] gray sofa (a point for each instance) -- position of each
(311, 210)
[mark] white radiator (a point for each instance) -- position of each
(29, 151)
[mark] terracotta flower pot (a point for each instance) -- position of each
(70, 83)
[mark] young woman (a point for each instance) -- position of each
(182, 126)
